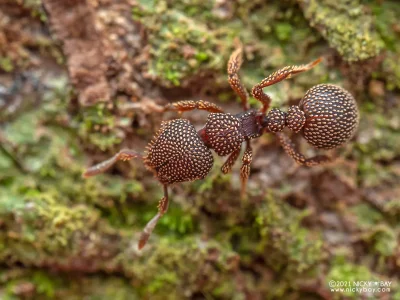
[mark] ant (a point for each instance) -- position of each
(327, 117)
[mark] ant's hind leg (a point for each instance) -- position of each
(276, 77)
(245, 169)
(289, 148)
(234, 63)
(124, 154)
(188, 105)
(162, 209)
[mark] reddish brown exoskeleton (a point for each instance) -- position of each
(327, 117)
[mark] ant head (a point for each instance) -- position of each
(332, 116)
(327, 116)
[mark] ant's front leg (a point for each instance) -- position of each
(276, 77)
(124, 154)
(162, 209)
(188, 105)
(245, 169)
(290, 149)
(234, 63)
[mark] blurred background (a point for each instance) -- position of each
(80, 80)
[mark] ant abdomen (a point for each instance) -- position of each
(177, 153)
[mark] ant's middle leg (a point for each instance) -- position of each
(245, 169)
(228, 164)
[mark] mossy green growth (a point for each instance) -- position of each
(280, 36)
(45, 284)
(346, 25)
(21, 283)
(180, 45)
(174, 270)
(176, 224)
(97, 125)
(49, 159)
(50, 217)
(36, 8)
(377, 141)
(387, 15)
(188, 39)
(285, 244)
(343, 271)
(366, 215)
(47, 231)
(45, 203)
(392, 207)
(376, 232)
(6, 64)
(384, 240)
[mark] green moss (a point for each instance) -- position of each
(392, 207)
(377, 141)
(22, 283)
(174, 270)
(211, 243)
(183, 47)
(52, 162)
(375, 232)
(97, 125)
(180, 45)
(366, 215)
(384, 240)
(36, 8)
(6, 64)
(391, 69)
(344, 271)
(279, 36)
(347, 27)
(283, 31)
(387, 16)
(46, 285)
(396, 294)
(287, 245)
(45, 228)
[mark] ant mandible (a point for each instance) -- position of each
(327, 117)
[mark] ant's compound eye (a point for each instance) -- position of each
(224, 133)
(276, 120)
(331, 116)
(295, 119)
(177, 153)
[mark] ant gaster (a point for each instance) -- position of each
(327, 117)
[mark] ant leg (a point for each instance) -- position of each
(187, 105)
(162, 209)
(234, 63)
(289, 148)
(245, 169)
(276, 77)
(227, 166)
(124, 154)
